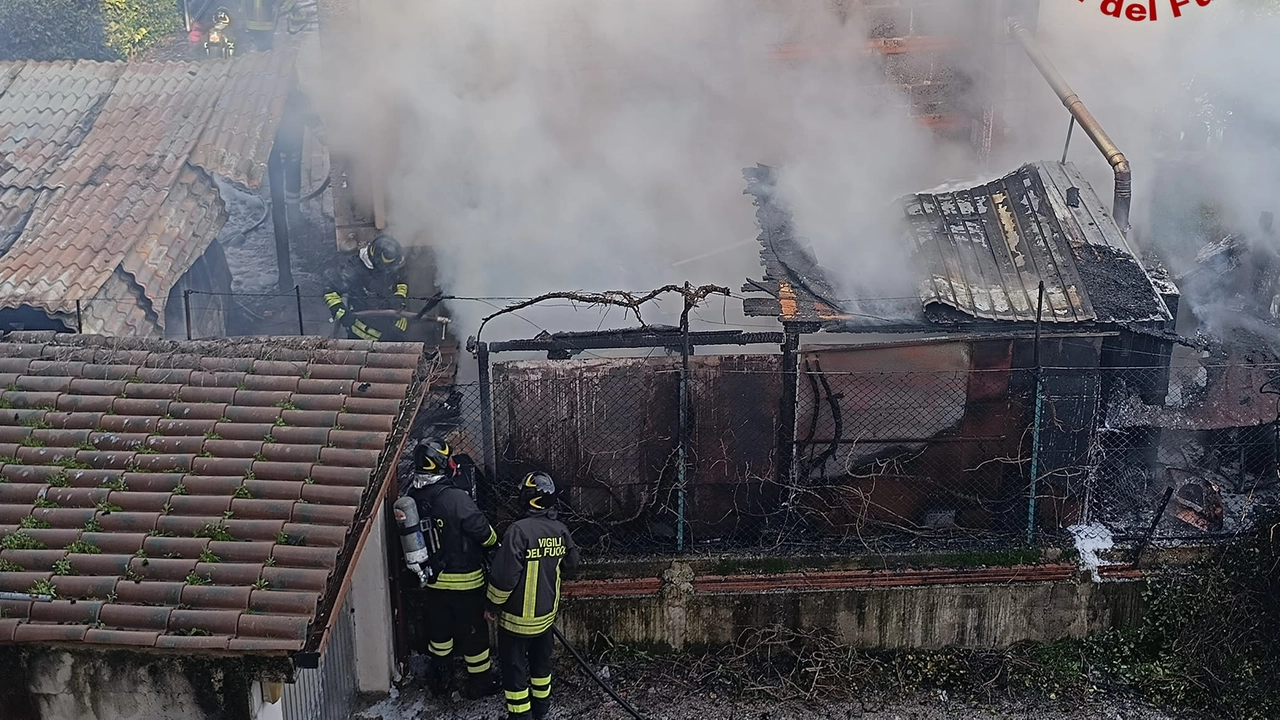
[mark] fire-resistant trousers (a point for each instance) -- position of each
(526, 673)
(458, 616)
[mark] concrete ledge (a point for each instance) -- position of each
(891, 609)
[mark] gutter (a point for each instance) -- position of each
(1123, 195)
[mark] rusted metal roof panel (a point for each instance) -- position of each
(986, 249)
(981, 253)
(46, 111)
(237, 140)
(116, 148)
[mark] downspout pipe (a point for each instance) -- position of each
(1124, 179)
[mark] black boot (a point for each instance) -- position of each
(438, 671)
(482, 685)
(541, 709)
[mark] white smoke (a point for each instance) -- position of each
(595, 145)
(579, 144)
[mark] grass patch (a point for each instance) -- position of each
(43, 587)
(83, 548)
(214, 531)
(20, 541)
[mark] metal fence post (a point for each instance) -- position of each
(186, 310)
(486, 410)
(786, 451)
(297, 295)
(682, 461)
(1035, 431)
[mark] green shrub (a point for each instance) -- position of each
(83, 29)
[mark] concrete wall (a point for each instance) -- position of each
(61, 685)
(370, 597)
(979, 615)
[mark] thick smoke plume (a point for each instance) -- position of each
(585, 144)
(1189, 101)
(579, 144)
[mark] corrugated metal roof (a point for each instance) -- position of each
(982, 252)
(237, 139)
(45, 113)
(986, 249)
(104, 196)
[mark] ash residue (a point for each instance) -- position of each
(1116, 284)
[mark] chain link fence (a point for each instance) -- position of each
(884, 460)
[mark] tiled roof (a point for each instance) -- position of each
(105, 172)
(192, 496)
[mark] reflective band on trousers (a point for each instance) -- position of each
(477, 664)
(441, 649)
(540, 687)
(518, 701)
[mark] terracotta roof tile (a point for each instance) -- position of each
(82, 586)
(121, 637)
(192, 643)
(216, 527)
(66, 611)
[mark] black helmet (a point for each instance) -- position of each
(432, 461)
(383, 254)
(537, 492)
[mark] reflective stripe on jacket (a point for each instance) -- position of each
(524, 581)
(463, 532)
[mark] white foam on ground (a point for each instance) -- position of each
(1091, 540)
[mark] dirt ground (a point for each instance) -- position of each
(576, 696)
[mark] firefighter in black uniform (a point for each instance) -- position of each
(370, 279)
(524, 594)
(455, 599)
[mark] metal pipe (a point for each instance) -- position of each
(786, 450)
(1123, 194)
(297, 296)
(1155, 522)
(636, 339)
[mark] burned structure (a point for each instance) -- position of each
(983, 414)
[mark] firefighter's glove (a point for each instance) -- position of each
(364, 331)
(334, 301)
(402, 324)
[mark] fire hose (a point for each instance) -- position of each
(411, 317)
(599, 681)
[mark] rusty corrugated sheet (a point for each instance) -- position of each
(605, 428)
(734, 401)
(986, 249)
(981, 253)
(101, 200)
(238, 137)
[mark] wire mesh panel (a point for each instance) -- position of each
(1203, 434)
(949, 445)
(327, 692)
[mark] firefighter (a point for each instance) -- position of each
(260, 22)
(366, 280)
(524, 593)
(455, 598)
